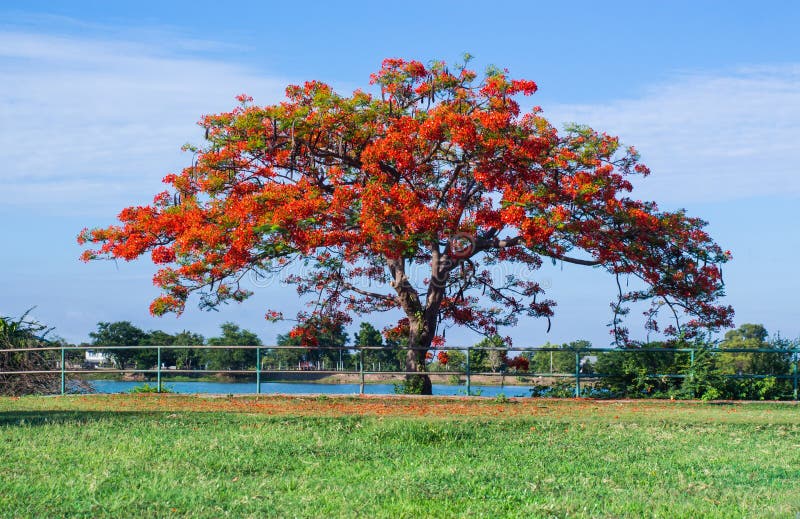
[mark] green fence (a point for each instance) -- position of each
(58, 354)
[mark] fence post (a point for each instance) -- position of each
(64, 381)
(577, 374)
(158, 369)
(258, 371)
(361, 370)
(469, 391)
(794, 378)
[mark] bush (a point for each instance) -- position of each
(28, 333)
(412, 385)
(519, 363)
(147, 388)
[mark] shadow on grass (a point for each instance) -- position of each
(37, 418)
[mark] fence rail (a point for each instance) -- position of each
(258, 370)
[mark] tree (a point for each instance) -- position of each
(389, 358)
(146, 359)
(748, 337)
(313, 333)
(519, 363)
(630, 372)
(489, 359)
(186, 358)
(438, 170)
(558, 361)
(238, 359)
(368, 335)
(457, 360)
(121, 333)
(751, 337)
(24, 332)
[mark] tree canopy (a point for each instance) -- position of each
(403, 199)
(232, 335)
(124, 333)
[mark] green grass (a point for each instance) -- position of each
(340, 457)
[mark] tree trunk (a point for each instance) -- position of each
(422, 322)
(419, 337)
(417, 384)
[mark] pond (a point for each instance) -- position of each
(241, 388)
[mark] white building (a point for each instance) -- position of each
(97, 357)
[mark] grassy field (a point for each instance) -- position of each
(151, 455)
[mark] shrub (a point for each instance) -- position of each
(147, 388)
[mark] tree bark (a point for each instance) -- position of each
(419, 342)
(417, 384)
(422, 320)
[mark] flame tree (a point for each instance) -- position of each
(403, 200)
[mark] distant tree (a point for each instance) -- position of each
(632, 372)
(498, 360)
(288, 357)
(519, 363)
(390, 359)
(237, 359)
(488, 359)
(186, 358)
(752, 337)
(313, 334)
(119, 333)
(557, 361)
(456, 360)
(368, 335)
(159, 338)
(146, 359)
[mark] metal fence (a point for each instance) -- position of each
(258, 370)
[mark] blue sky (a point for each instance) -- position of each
(98, 97)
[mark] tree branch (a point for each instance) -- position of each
(496, 243)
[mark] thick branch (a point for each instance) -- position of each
(382, 297)
(496, 243)
(407, 295)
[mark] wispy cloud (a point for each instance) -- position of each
(95, 124)
(709, 136)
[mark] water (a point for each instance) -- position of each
(243, 388)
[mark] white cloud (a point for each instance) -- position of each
(709, 137)
(91, 124)
(96, 124)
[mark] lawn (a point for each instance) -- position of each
(151, 455)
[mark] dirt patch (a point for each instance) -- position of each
(391, 405)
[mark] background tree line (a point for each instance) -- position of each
(622, 373)
(331, 350)
(709, 375)
(625, 372)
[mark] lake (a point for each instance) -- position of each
(243, 388)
